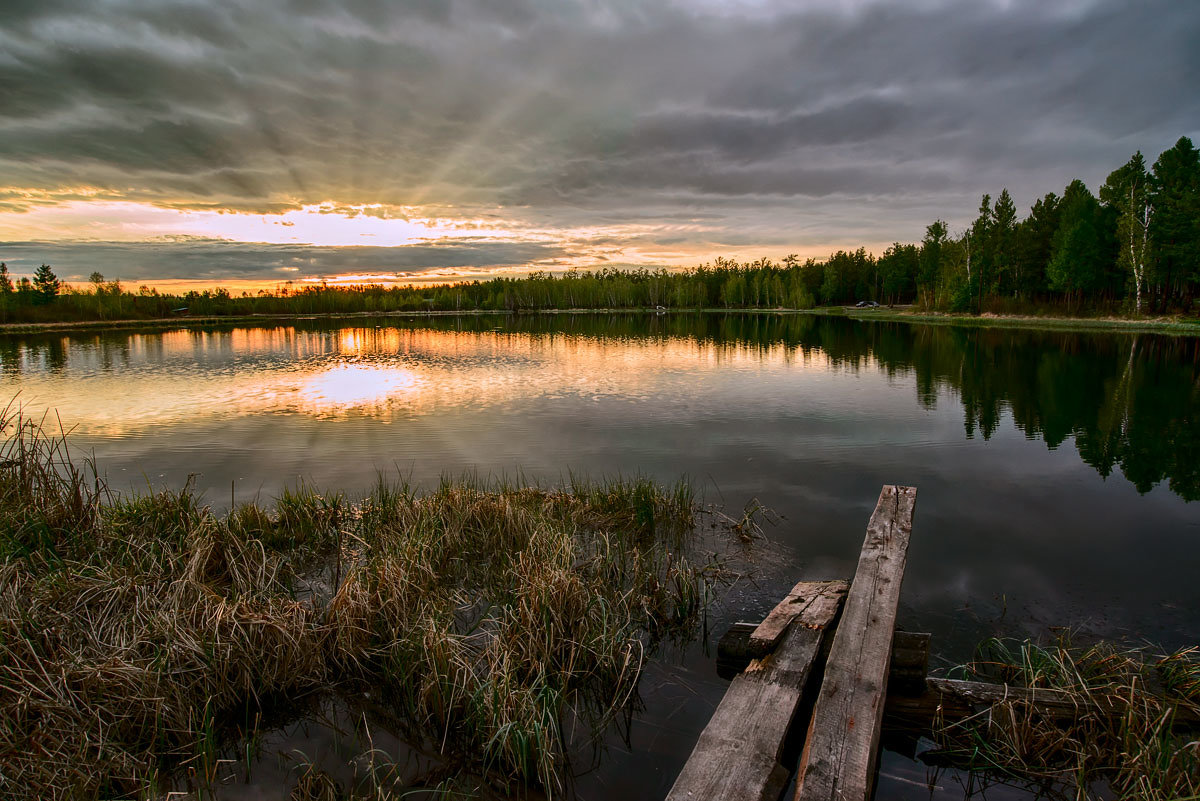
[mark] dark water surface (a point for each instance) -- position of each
(1055, 470)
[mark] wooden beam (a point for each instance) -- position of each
(839, 756)
(767, 634)
(910, 663)
(737, 755)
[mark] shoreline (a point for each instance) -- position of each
(1154, 325)
(1158, 325)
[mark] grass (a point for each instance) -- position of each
(138, 634)
(1181, 326)
(1125, 738)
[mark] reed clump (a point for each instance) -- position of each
(1133, 733)
(135, 632)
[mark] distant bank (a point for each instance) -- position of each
(1174, 325)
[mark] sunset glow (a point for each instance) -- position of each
(387, 373)
(392, 143)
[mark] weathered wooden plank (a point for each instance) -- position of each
(838, 762)
(766, 636)
(737, 755)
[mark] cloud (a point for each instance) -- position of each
(575, 113)
(215, 260)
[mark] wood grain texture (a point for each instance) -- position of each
(766, 636)
(737, 755)
(838, 762)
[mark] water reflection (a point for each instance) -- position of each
(1128, 401)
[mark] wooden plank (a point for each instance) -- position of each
(838, 762)
(766, 636)
(737, 755)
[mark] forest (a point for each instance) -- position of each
(1133, 250)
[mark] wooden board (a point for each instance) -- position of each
(766, 636)
(838, 762)
(737, 755)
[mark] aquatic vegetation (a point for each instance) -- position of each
(1134, 732)
(139, 634)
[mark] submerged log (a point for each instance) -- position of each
(906, 675)
(948, 701)
(910, 663)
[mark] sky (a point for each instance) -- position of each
(252, 142)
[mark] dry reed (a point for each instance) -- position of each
(1133, 734)
(135, 632)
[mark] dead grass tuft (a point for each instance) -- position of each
(135, 631)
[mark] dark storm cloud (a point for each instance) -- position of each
(581, 110)
(214, 259)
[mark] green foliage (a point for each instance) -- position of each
(724, 283)
(1033, 245)
(1002, 246)
(1175, 229)
(1141, 242)
(1077, 252)
(1127, 193)
(46, 285)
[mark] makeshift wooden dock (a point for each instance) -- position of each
(739, 753)
(813, 683)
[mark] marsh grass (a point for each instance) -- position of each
(1124, 740)
(140, 635)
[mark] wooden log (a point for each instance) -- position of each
(840, 752)
(733, 650)
(953, 700)
(737, 755)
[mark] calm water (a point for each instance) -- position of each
(1055, 470)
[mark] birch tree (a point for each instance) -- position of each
(1127, 192)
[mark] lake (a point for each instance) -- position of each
(1056, 470)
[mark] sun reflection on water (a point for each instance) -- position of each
(355, 386)
(114, 386)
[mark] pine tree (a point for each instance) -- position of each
(1175, 227)
(46, 284)
(931, 259)
(1003, 234)
(1077, 256)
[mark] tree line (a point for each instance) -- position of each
(1134, 248)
